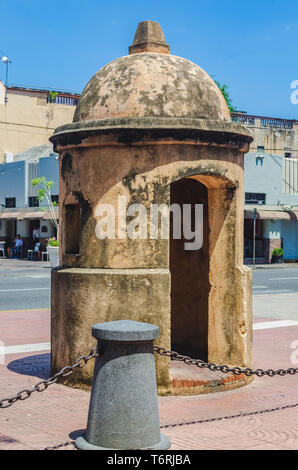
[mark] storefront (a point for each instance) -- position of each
(23, 223)
(273, 229)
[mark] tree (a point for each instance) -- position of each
(44, 193)
(226, 95)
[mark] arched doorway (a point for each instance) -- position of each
(190, 275)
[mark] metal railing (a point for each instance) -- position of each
(251, 120)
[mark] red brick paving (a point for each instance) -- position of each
(34, 324)
(59, 414)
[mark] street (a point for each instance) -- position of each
(275, 280)
(24, 285)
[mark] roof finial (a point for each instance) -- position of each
(149, 38)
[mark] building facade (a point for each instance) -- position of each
(28, 117)
(271, 188)
(20, 209)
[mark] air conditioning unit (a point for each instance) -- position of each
(8, 157)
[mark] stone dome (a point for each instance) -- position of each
(151, 84)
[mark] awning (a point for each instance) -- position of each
(21, 215)
(34, 215)
(272, 215)
(47, 215)
(9, 215)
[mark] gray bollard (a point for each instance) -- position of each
(123, 411)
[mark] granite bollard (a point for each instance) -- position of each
(123, 411)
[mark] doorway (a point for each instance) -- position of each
(11, 229)
(190, 276)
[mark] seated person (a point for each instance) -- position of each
(8, 248)
(37, 250)
(43, 245)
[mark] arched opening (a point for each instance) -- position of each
(190, 276)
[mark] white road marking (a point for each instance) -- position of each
(283, 278)
(274, 292)
(16, 290)
(274, 324)
(260, 287)
(24, 348)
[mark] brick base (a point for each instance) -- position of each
(190, 380)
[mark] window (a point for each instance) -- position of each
(255, 198)
(288, 155)
(10, 202)
(33, 201)
(72, 224)
(55, 198)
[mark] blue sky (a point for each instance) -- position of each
(250, 46)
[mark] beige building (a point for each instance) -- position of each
(29, 116)
(271, 135)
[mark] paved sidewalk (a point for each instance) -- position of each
(12, 263)
(59, 414)
(273, 266)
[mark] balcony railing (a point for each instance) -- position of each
(66, 100)
(280, 123)
(249, 120)
(243, 119)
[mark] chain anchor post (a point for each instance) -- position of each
(123, 410)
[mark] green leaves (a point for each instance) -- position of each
(52, 95)
(226, 95)
(44, 192)
(53, 241)
(279, 252)
(45, 187)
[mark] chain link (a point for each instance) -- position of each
(59, 446)
(43, 384)
(222, 418)
(173, 355)
(223, 368)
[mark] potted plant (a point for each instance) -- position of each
(52, 96)
(277, 255)
(53, 251)
(44, 193)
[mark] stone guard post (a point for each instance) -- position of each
(123, 412)
(161, 135)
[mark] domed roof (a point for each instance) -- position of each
(151, 84)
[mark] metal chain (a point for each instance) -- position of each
(59, 446)
(223, 368)
(43, 384)
(222, 418)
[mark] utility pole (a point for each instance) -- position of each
(6, 61)
(254, 238)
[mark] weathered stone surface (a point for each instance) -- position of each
(148, 85)
(132, 130)
(144, 123)
(84, 297)
(149, 38)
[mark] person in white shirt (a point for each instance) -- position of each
(35, 233)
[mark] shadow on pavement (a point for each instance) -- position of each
(35, 366)
(74, 434)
